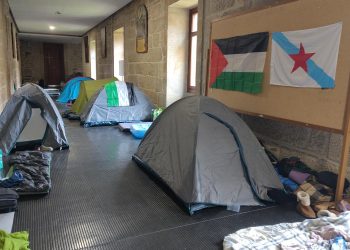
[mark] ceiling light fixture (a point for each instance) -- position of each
(52, 27)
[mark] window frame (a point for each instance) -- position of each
(191, 34)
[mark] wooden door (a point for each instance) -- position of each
(53, 63)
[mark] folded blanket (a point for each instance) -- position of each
(34, 166)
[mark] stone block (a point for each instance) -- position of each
(156, 40)
(335, 147)
(154, 10)
(318, 142)
(131, 69)
(159, 86)
(219, 6)
(161, 100)
(149, 83)
(156, 55)
(156, 25)
(151, 95)
(155, 2)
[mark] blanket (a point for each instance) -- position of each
(309, 234)
(34, 166)
(119, 94)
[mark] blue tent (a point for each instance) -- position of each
(71, 90)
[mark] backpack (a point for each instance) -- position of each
(8, 200)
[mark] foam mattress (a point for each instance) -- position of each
(138, 130)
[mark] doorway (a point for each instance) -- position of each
(93, 64)
(118, 43)
(53, 64)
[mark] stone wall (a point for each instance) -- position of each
(9, 65)
(32, 58)
(321, 150)
(86, 65)
(145, 70)
(72, 58)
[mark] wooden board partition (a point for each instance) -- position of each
(320, 108)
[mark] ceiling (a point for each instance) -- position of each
(185, 4)
(76, 16)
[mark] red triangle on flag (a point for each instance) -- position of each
(217, 63)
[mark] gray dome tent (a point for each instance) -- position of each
(18, 112)
(206, 155)
(97, 113)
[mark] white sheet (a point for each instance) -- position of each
(302, 235)
(6, 221)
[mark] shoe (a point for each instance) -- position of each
(326, 213)
(343, 206)
(324, 205)
(306, 211)
(303, 206)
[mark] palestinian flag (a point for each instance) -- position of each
(237, 63)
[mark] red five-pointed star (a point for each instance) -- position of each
(300, 59)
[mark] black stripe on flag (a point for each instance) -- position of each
(256, 42)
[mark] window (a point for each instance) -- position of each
(192, 52)
(93, 59)
(86, 49)
(118, 44)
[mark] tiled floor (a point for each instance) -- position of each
(100, 199)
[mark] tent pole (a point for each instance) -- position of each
(343, 163)
(345, 150)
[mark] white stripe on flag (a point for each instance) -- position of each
(322, 41)
(123, 94)
(248, 62)
(281, 66)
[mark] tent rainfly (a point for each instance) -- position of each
(206, 155)
(71, 90)
(87, 90)
(97, 112)
(18, 111)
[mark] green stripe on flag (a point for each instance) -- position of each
(112, 94)
(249, 82)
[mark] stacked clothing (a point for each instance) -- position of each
(294, 169)
(314, 190)
(32, 168)
(320, 186)
(8, 200)
(14, 241)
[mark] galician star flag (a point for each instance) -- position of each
(305, 58)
